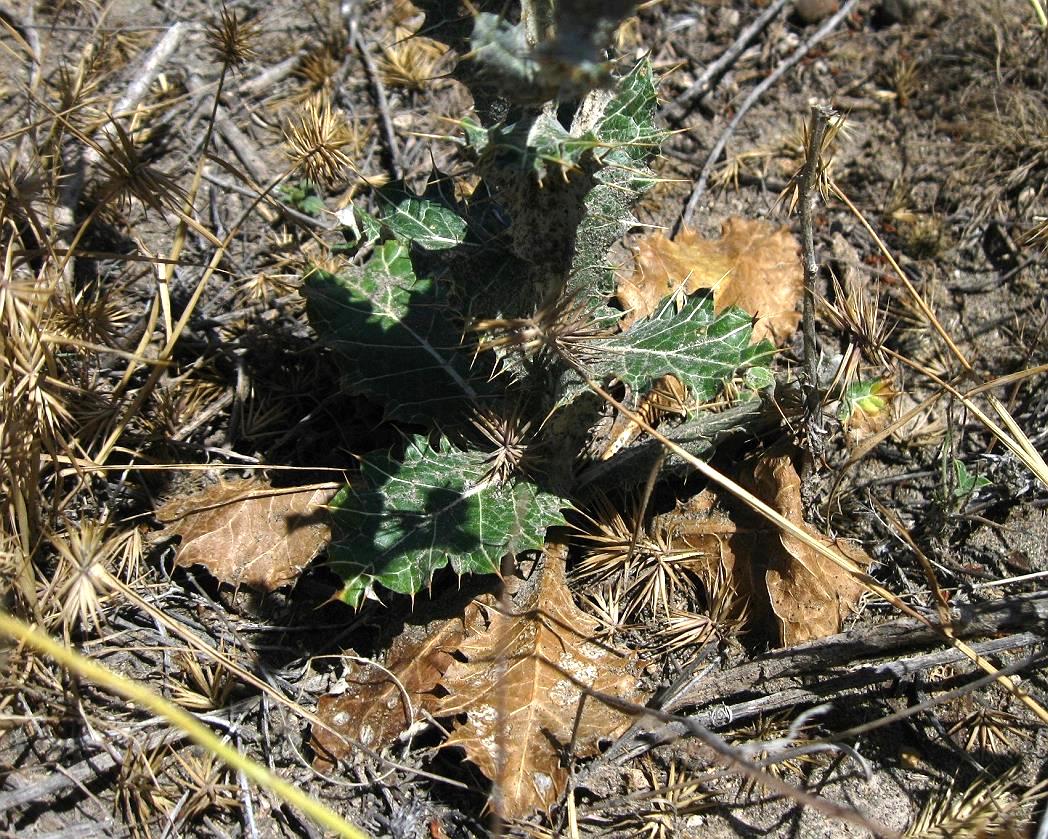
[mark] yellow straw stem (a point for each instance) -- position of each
(181, 719)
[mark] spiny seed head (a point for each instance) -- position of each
(19, 188)
(510, 435)
(316, 140)
(84, 552)
(1038, 235)
(855, 311)
(129, 175)
(318, 69)
(230, 38)
(411, 62)
(560, 327)
(95, 316)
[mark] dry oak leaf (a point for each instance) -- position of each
(373, 710)
(810, 594)
(754, 265)
(703, 525)
(520, 689)
(245, 532)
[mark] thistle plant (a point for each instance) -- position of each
(479, 324)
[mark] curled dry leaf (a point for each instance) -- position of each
(521, 688)
(729, 548)
(754, 265)
(373, 710)
(810, 594)
(804, 595)
(248, 533)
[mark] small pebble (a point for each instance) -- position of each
(812, 11)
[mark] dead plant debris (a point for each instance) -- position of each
(165, 187)
(246, 532)
(530, 690)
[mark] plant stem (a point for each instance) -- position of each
(145, 698)
(1039, 11)
(820, 117)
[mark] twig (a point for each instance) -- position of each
(145, 74)
(699, 436)
(84, 771)
(755, 94)
(820, 118)
(849, 647)
(702, 85)
(150, 68)
(264, 81)
(833, 683)
(381, 101)
(290, 212)
(248, 809)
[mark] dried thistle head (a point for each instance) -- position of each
(208, 684)
(144, 793)
(75, 88)
(411, 62)
(509, 434)
(230, 38)
(94, 315)
(129, 175)
(316, 141)
(210, 781)
(319, 69)
(20, 187)
(85, 551)
(986, 807)
(178, 403)
(989, 730)
(856, 312)
(684, 630)
(725, 613)
(265, 285)
(261, 417)
(652, 566)
(1038, 234)
(739, 164)
(560, 327)
(796, 147)
(904, 80)
(768, 740)
(605, 604)
(660, 812)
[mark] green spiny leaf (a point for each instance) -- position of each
(418, 220)
(699, 347)
(625, 138)
(396, 337)
(628, 121)
(432, 509)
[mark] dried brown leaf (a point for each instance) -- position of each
(810, 594)
(248, 533)
(704, 525)
(806, 595)
(521, 688)
(372, 711)
(754, 265)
